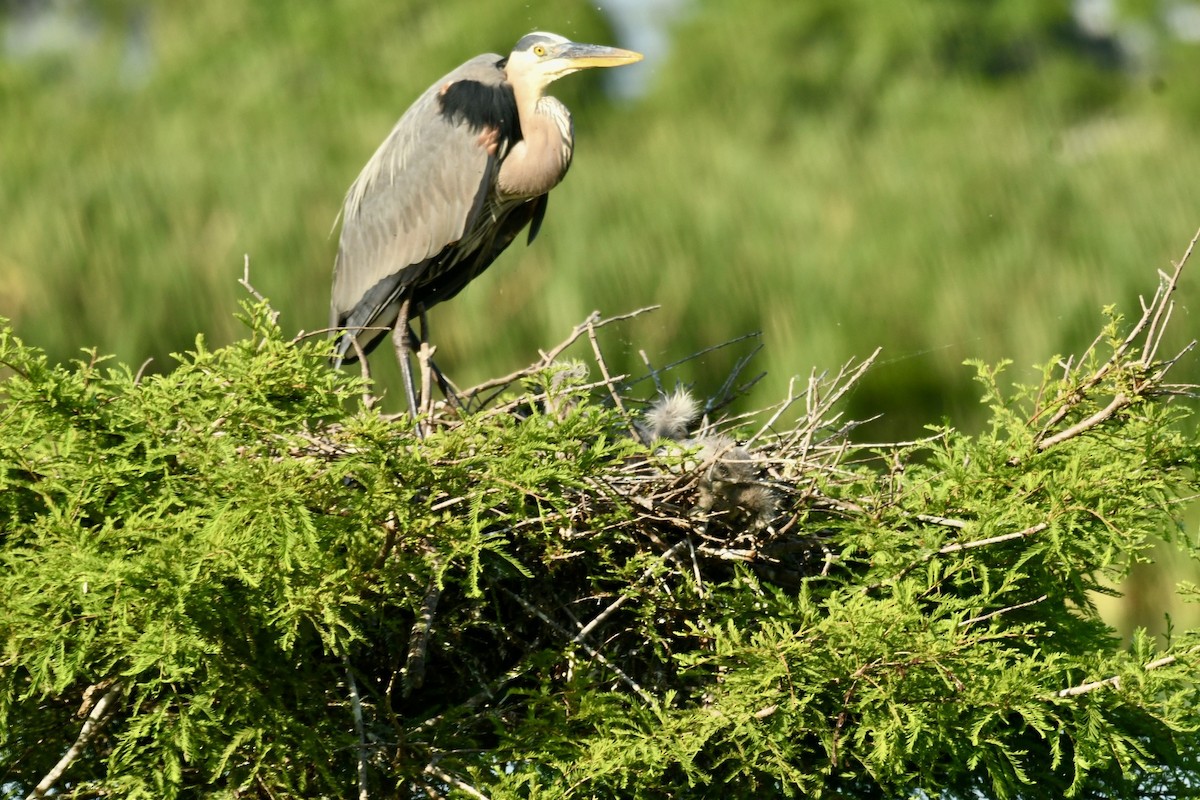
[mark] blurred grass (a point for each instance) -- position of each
(946, 179)
(846, 177)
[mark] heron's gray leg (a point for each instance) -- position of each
(400, 339)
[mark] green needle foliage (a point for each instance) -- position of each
(233, 580)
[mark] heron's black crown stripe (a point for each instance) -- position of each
(480, 106)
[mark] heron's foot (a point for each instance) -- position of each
(447, 388)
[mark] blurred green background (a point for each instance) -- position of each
(946, 178)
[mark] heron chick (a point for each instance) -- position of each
(728, 480)
(463, 172)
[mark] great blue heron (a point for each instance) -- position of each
(466, 168)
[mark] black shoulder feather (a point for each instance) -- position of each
(480, 105)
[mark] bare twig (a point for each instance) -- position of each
(244, 281)
(418, 641)
(999, 611)
(457, 783)
(957, 547)
(936, 520)
(539, 397)
(626, 595)
(696, 576)
(369, 398)
(700, 353)
(142, 371)
(732, 554)
(91, 726)
(608, 381)
(425, 398)
(591, 651)
(1118, 402)
(359, 729)
(358, 329)
(593, 320)
(729, 391)
(819, 405)
(389, 541)
(784, 406)
(658, 386)
(1162, 313)
(1115, 680)
(1152, 325)
(1004, 537)
(478, 698)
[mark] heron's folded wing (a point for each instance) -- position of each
(419, 192)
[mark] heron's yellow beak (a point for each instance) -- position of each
(582, 56)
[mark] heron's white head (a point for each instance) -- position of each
(541, 58)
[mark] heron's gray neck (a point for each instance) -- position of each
(540, 159)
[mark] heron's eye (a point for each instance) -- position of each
(539, 50)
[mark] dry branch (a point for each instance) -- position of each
(1148, 330)
(91, 726)
(359, 731)
(456, 783)
(1115, 680)
(551, 356)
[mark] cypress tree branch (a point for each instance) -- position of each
(457, 783)
(594, 320)
(955, 547)
(418, 640)
(1152, 325)
(91, 726)
(359, 730)
(1115, 680)
(1004, 537)
(587, 648)
(1005, 610)
(608, 379)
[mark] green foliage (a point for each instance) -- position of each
(940, 651)
(525, 611)
(152, 536)
(218, 544)
(175, 534)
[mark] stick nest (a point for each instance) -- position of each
(715, 488)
